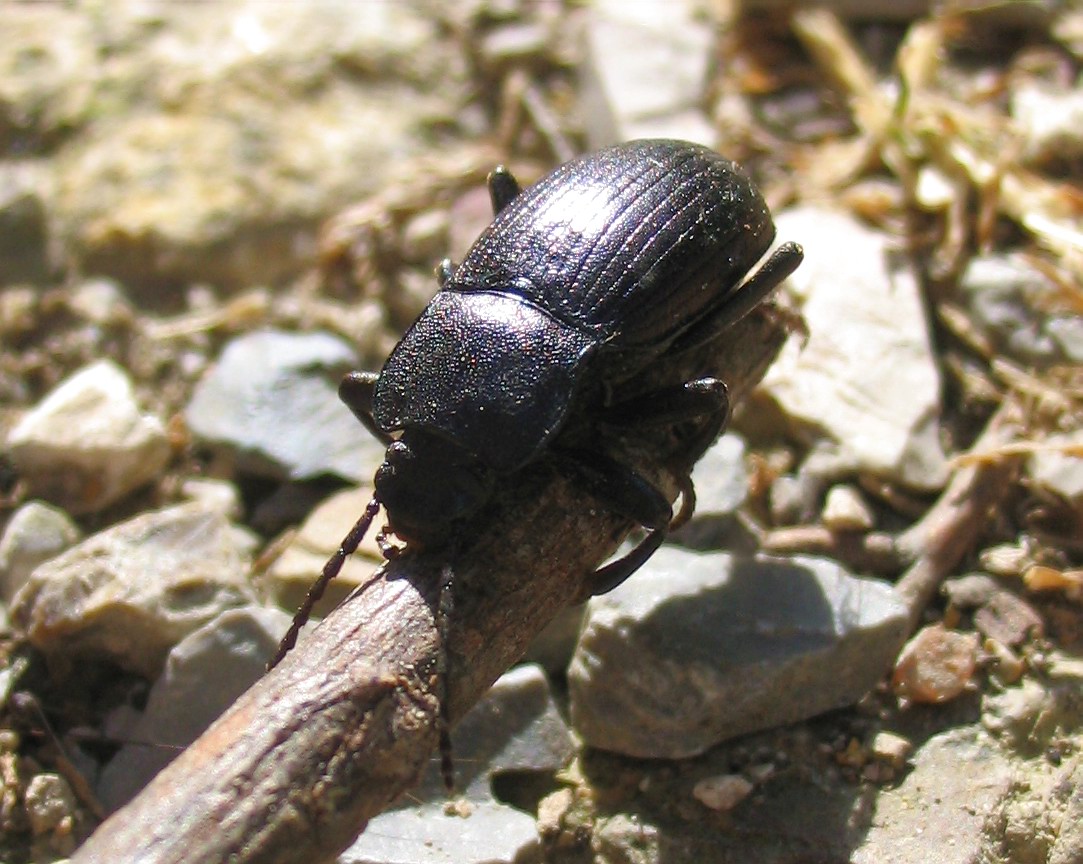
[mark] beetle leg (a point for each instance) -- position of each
(738, 303)
(503, 187)
(623, 491)
(356, 389)
(607, 578)
(444, 271)
(702, 397)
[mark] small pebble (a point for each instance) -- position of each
(51, 811)
(845, 509)
(971, 591)
(723, 792)
(935, 665)
(1008, 619)
(1008, 666)
(891, 748)
(35, 533)
(1008, 559)
(1041, 578)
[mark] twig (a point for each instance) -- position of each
(347, 722)
(940, 540)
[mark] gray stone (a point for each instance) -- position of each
(515, 729)
(87, 444)
(720, 479)
(939, 811)
(793, 498)
(866, 378)
(695, 649)
(270, 404)
(490, 834)
(1003, 294)
(646, 68)
(972, 590)
(131, 592)
(35, 533)
(204, 673)
(1009, 619)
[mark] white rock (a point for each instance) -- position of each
(1050, 120)
(866, 375)
(646, 70)
(87, 444)
(1058, 466)
(846, 510)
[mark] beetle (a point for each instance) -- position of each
(583, 281)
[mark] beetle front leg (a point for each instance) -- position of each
(355, 390)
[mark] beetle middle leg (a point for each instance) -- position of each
(702, 399)
(628, 493)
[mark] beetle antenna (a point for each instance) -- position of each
(331, 569)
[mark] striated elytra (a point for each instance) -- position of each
(582, 283)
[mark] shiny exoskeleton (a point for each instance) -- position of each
(582, 282)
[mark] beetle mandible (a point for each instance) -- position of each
(582, 281)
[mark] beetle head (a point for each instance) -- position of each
(428, 484)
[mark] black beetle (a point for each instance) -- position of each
(581, 282)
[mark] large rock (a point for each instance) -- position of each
(698, 648)
(866, 377)
(224, 133)
(204, 673)
(131, 592)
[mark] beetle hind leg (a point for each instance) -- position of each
(503, 188)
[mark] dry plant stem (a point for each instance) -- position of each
(348, 721)
(937, 543)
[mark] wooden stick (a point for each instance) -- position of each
(947, 532)
(346, 724)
